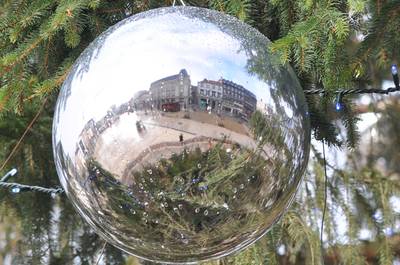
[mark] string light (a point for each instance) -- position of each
(339, 105)
(395, 76)
(15, 190)
(394, 69)
(339, 102)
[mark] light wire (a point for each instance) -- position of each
(315, 91)
(12, 185)
(21, 187)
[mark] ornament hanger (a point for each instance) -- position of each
(182, 3)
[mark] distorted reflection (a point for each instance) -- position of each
(178, 137)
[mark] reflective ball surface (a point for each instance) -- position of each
(179, 137)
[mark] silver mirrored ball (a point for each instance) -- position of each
(179, 137)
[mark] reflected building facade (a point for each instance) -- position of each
(172, 92)
(88, 139)
(226, 97)
(210, 94)
(142, 100)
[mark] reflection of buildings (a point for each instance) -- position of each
(175, 89)
(175, 93)
(88, 138)
(227, 97)
(142, 100)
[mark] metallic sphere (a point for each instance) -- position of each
(179, 137)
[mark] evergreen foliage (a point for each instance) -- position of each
(332, 44)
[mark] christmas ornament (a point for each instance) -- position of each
(179, 137)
